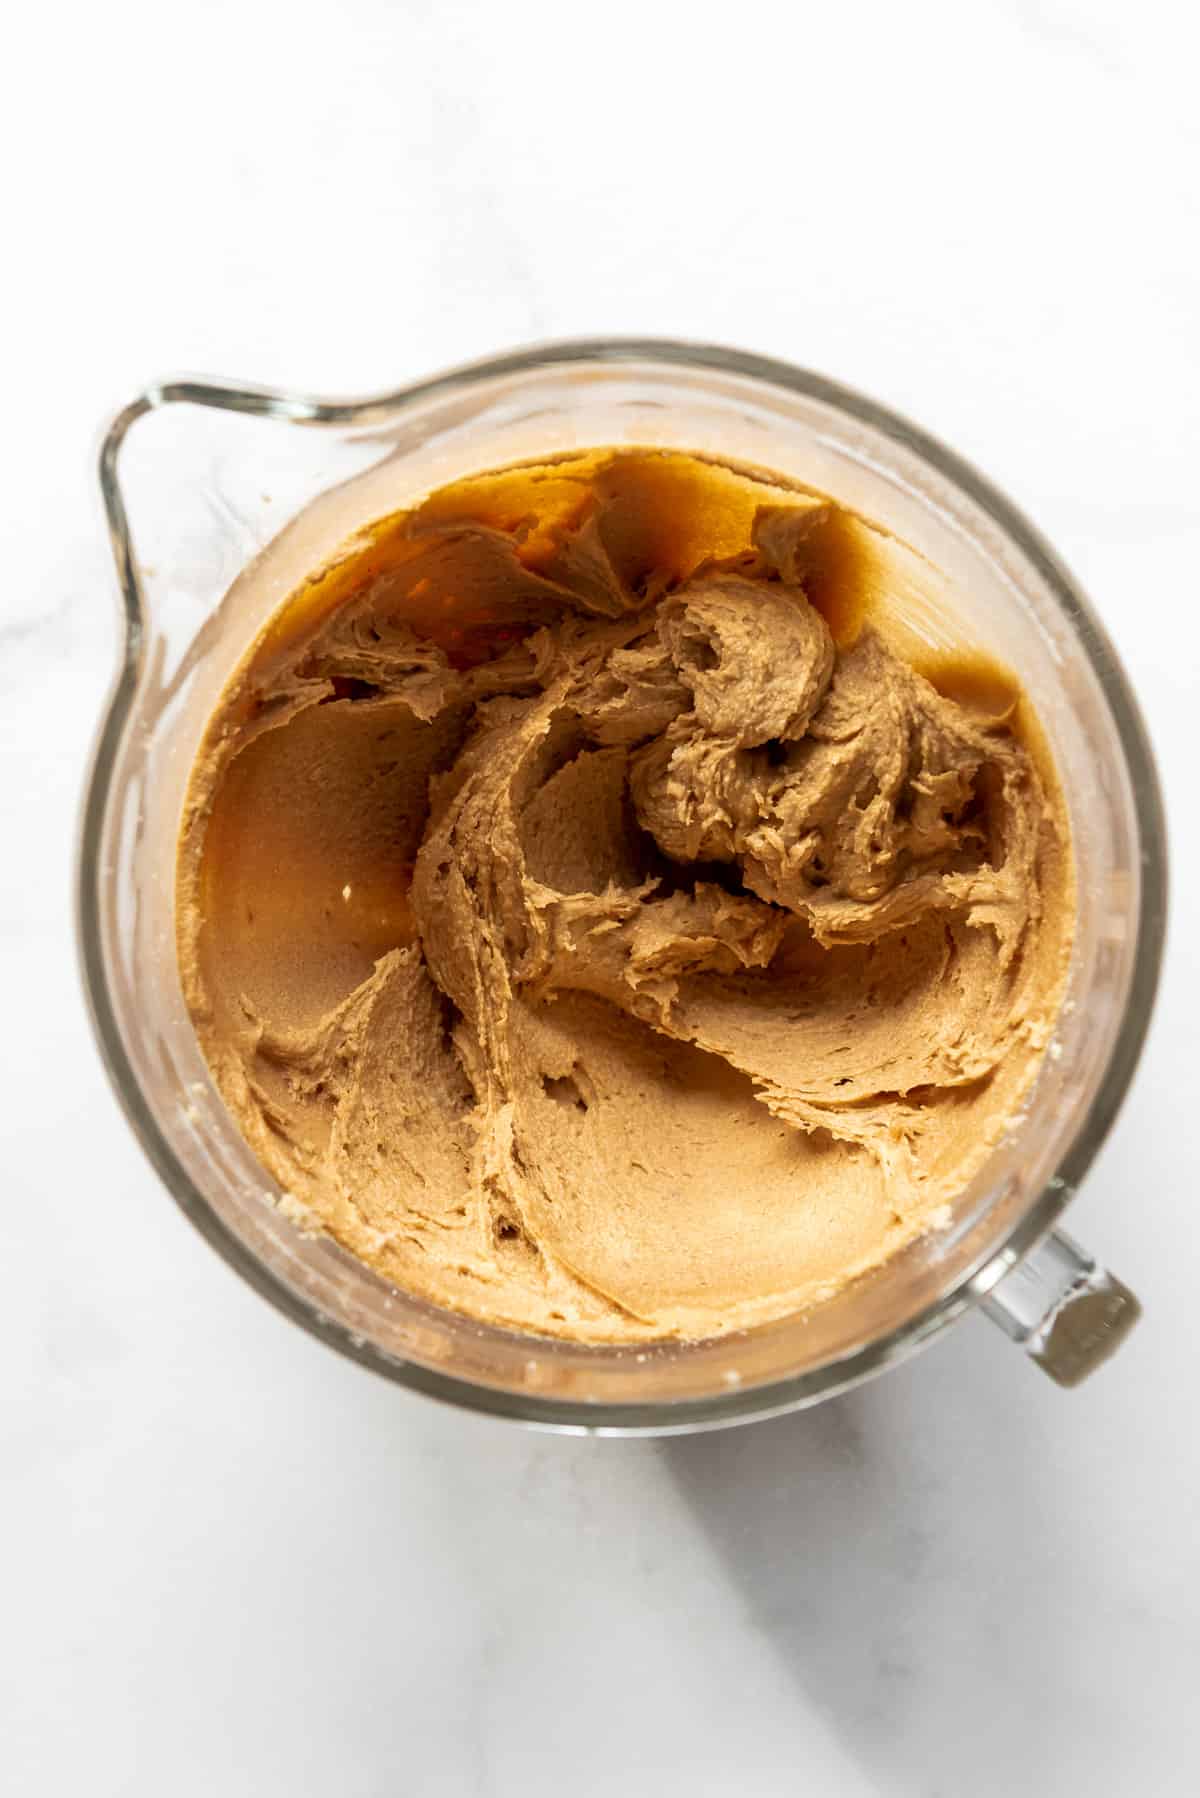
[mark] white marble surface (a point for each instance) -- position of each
(232, 1563)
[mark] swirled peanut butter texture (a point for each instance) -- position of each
(596, 923)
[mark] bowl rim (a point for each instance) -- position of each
(734, 1404)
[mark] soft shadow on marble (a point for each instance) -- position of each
(907, 1553)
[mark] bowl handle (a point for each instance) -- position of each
(1067, 1313)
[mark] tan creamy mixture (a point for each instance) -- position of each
(595, 925)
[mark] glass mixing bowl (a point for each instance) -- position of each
(239, 493)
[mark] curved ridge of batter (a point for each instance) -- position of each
(595, 925)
